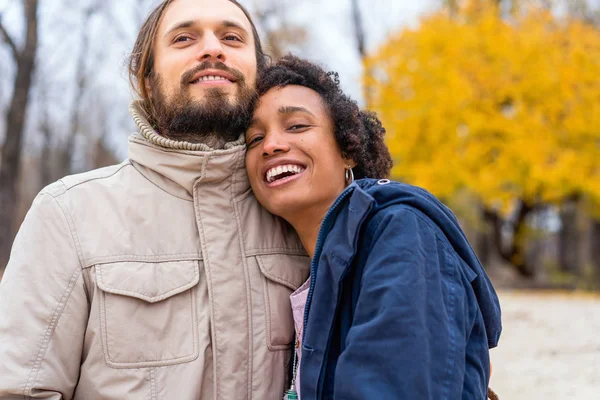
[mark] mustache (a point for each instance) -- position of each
(189, 75)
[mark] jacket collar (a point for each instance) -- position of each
(349, 211)
(183, 163)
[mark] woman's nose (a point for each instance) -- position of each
(273, 144)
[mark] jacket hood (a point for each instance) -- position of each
(419, 199)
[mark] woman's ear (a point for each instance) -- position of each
(349, 162)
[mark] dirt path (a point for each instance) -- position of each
(549, 348)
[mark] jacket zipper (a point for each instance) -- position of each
(317, 255)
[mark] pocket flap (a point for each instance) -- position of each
(151, 282)
(289, 270)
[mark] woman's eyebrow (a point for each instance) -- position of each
(285, 110)
(252, 123)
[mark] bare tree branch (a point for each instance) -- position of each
(9, 41)
(278, 38)
(359, 31)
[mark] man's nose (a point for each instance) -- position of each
(212, 49)
(274, 143)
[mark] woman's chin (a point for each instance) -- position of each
(285, 204)
(282, 208)
(283, 198)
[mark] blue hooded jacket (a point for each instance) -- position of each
(399, 306)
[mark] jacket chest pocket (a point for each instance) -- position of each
(282, 274)
(148, 313)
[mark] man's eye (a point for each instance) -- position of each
(181, 39)
(232, 38)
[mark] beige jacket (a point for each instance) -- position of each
(159, 278)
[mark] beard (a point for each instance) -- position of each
(214, 120)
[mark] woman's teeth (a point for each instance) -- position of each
(283, 171)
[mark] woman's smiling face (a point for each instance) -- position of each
(294, 163)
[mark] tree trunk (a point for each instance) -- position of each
(484, 242)
(45, 127)
(519, 241)
(15, 126)
(514, 251)
(359, 31)
(65, 154)
(595, 248)
(361, 48)
(569, 237)
(483, 247)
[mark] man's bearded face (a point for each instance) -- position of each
(216, 117)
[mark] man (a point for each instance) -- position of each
(161, 277)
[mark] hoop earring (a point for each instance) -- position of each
(349, 175)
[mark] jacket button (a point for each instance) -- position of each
(383, 181)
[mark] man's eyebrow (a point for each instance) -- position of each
(233, 24)
(181, 25)
(190, 23)
(293, 109)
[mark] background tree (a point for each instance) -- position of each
(508, 110)
(359, 31)
(278, 32)
(24, 59)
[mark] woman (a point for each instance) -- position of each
(397, 304)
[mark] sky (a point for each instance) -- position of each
(328, 23)
(331, 39)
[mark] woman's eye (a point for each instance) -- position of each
(254, 140)
(298, 127)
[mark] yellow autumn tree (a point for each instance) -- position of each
(506, 108)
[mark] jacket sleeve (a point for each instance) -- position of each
(408, 335)
(43, 307)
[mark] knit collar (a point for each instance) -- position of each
(184, 163)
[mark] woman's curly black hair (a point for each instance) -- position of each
(359, 133)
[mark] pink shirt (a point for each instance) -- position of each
(298, 300)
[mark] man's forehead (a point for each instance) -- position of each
(203, 12)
